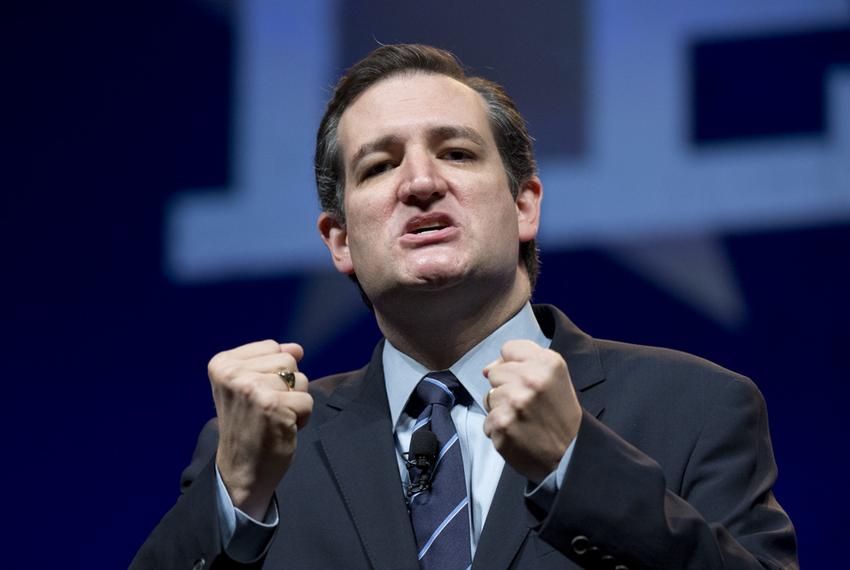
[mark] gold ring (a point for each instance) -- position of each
(487, 399)
(287, 376)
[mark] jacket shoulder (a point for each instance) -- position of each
(668, 367)
(322, 388)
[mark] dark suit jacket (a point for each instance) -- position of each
(672, 468)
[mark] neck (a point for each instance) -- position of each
(437, 328)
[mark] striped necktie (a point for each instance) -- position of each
(440, 516)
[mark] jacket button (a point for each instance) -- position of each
(621, 567)
(580, 544)
(199, 564)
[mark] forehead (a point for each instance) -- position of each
(408, 104)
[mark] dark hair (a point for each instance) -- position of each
(509, 129)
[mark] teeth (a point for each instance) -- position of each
(427, 229)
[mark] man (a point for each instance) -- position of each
(543, 447)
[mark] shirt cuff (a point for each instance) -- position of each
(543, 495)
(245, 539)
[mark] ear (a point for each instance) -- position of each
(528, 208)
(335, 236)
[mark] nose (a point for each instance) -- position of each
(422, 182)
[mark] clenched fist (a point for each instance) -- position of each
(534, 414)
(258, 417)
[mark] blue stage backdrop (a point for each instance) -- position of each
(158, 206)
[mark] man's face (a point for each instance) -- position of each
(427, 200)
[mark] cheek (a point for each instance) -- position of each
(366, 214)
(368, 226)
(496, 213)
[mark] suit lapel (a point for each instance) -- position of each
(361, 437)
(509, 521)
(360, 450)
(580, 353)
(507, 524)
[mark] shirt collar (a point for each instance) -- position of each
(402, 373)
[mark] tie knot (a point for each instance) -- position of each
(440, 388)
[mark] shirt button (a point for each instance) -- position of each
(580, 544)
(199, 564)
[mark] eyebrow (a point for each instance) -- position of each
(440, 133)
(375, 146)
(455, 132)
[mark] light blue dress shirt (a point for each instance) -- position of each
(246, 539)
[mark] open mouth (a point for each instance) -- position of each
(431, 222)
(426, 229)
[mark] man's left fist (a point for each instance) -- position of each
(534, 414)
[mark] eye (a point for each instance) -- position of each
(458, 155)
(376, 169)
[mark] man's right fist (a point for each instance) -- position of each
(258, 419)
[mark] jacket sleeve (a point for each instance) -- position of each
(616, 510)
(188, 536)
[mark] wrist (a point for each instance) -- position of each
(248, 493)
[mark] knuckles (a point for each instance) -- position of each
(244, 387)
(267, 403)
(270, 345)
(536, 383)
(551, 361)
(550, 368)
(229, 372)
(221, 369)
(520, 401)
(215, 365)
(540, 374)
(500, 421)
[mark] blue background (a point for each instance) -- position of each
(112, 110)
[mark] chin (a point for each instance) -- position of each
(411, 285)
(437, 275)
(433, 282)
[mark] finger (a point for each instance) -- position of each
(288, 408)
(488, 400)
(274, 381)
(498, 421)
(300, 403)
(271, 363)
(487, 368)
(515, 395)
(506, 373)
(301, 382)
(252, 388)
(293, 348)
(254, 349)
(518, 350)
(268, 407)
(492, 400)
